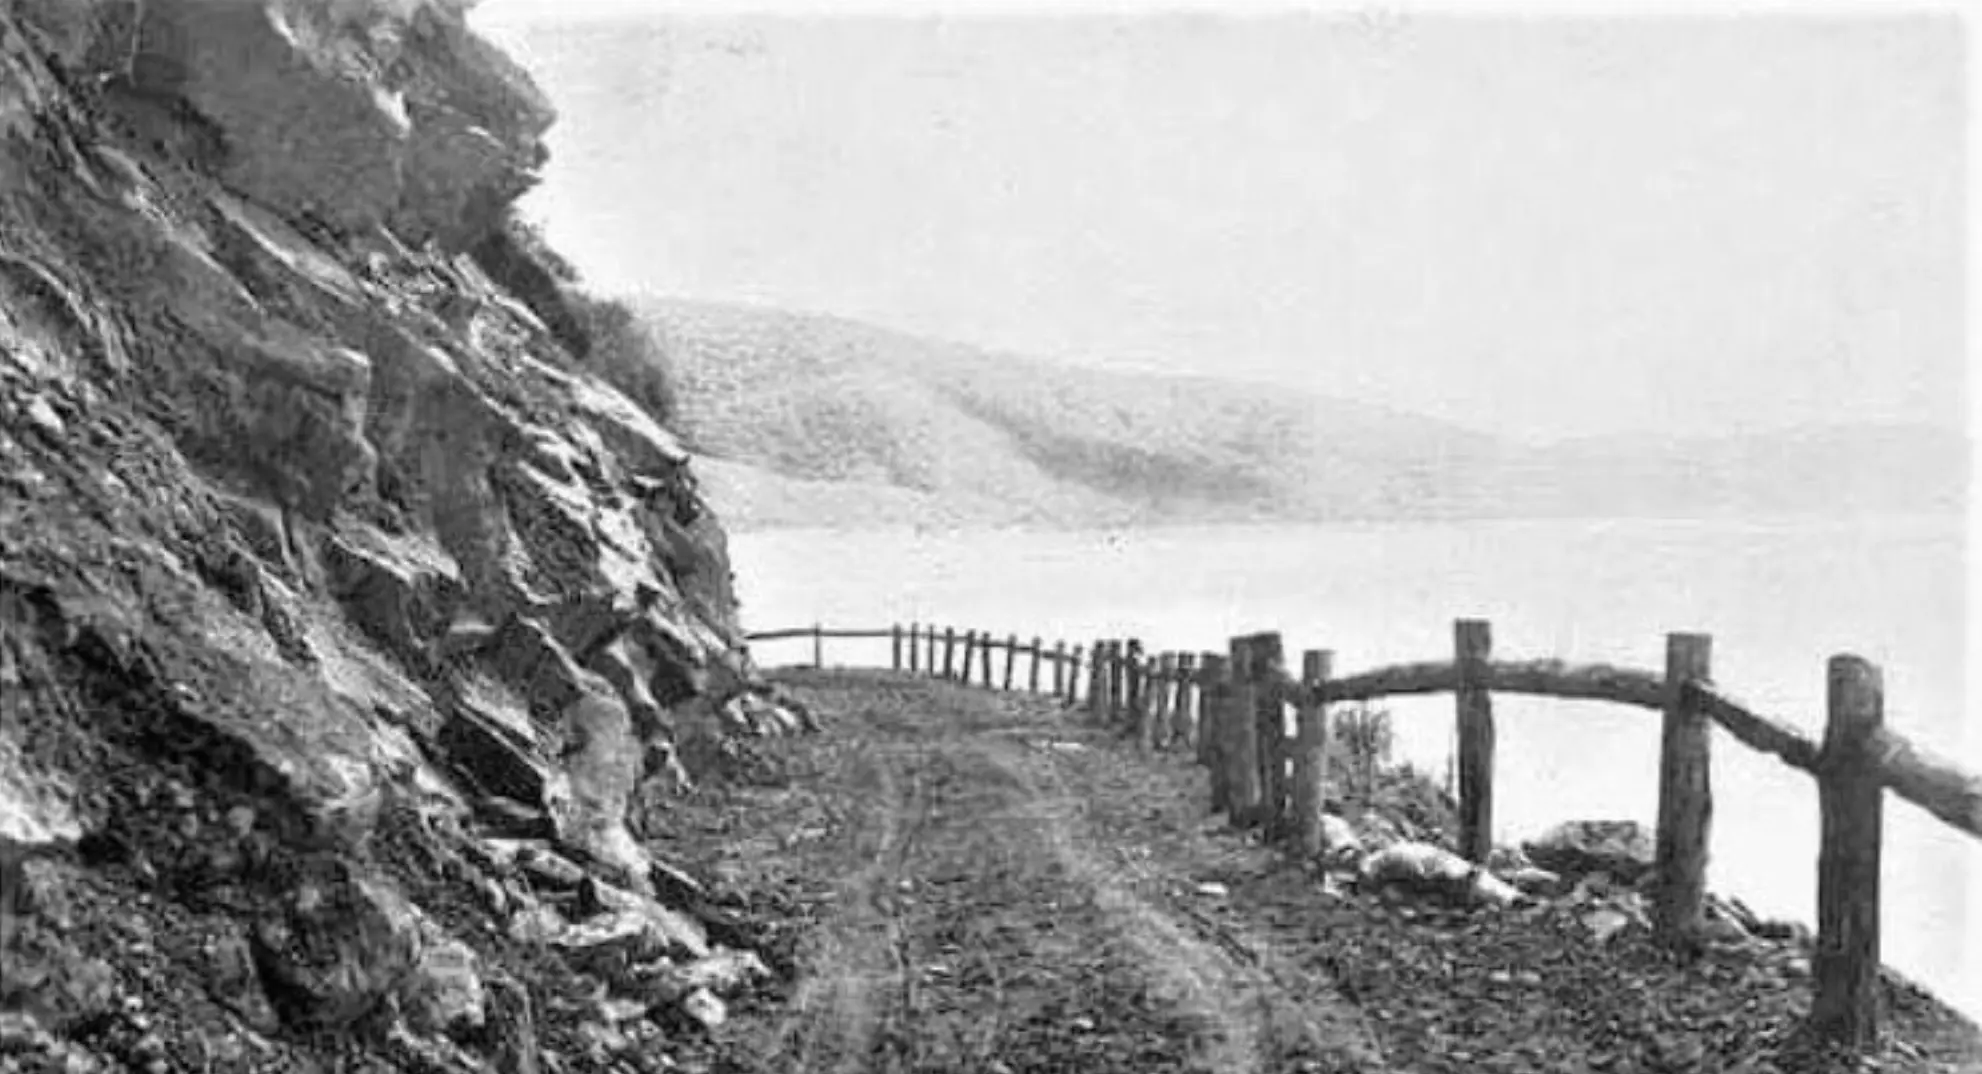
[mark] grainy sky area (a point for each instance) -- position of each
(1535, 225)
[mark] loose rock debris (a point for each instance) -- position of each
(984, 900)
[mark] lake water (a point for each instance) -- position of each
(1779, 597)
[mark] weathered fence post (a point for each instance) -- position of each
(1269, 670)
(1097, 681)
(1846, 1007)
(969, 656)
(1147, 693)
(1311, 753)
(1241, 726)
(1032, 680)
(895, 645)
(1060, 671)
(949, 652)
(1180, 709)
(929, 640)
(1117, 682)
(1134, 690)
(1073, 676)
(818, 645)
(1011, 657)
(914, 647)
(1213, 703)
(990, 646)
(1163, 682)
(1472, 648)
(1211, 672)
(1104, 673)
(1686, 792)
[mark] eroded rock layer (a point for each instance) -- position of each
(324, 565)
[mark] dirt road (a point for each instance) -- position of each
(1012, 891)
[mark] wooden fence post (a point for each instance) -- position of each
(1269, 669)
(1060, 671)
(1472, 647)
(1073, 675)
(1117, 683)
(1104, 667)
(1011, 657)
(990, 646)
(1213, 703)
(1211, 672)
(1241, 726)
(1180, 702)
(970, 644)
(1134, 690)
(895, 645)
(1846, 1007)
(1686, 793)
(1311, 754)
(1163, 682)
(818, 645)
(949, 652)
(1097, 681)
(1147, 691)
(929, 643)
(1032, 680)
(914, 647)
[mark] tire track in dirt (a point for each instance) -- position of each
(856, 972)
(1178, 964)
(1262, 1018)
(985, 921)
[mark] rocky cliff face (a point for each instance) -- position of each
(345, 619)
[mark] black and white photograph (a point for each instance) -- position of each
(982, 537)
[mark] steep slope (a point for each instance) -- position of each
(815, 420)
(345, 620)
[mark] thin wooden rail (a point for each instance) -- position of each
(1230, 714)
(810, 632)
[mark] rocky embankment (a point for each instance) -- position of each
(347, 620)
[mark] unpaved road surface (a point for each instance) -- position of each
(949, 879)
(993, 886)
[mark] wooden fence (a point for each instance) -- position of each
(1230, 710)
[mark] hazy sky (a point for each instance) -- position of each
(1532, 225)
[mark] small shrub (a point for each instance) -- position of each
(528, 236)
(1363, 739)
(627, 353)
(604, 334)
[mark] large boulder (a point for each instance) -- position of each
(477, 140)
(339, 944)
(444, 993)
(308, 132)
(1424, 869)
(354, 115)
(1622, 848)
(399, 591)
(490, 735)
(602, 764)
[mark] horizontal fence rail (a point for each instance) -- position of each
(1230, 710)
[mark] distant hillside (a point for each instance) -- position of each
(815, 420)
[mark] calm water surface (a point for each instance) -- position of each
(1778, 597)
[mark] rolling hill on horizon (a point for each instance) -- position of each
(810, 419)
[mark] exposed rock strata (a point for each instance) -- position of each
(325, 562)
